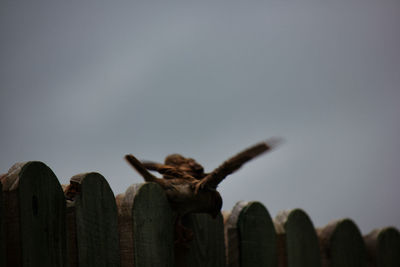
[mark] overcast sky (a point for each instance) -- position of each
(82, 83)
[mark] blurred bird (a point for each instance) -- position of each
(188, 188)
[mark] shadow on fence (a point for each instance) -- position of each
(45, 224)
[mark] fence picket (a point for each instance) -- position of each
(298, 240)
(207, 247)
(250, 236)
(35, 225)
(342, 245)
(383, 246)
(146, 230)
(95, 239)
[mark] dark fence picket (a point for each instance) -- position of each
(297, 240)
(250, 236)
(383, 246)
(207, 247)
(146, 229)
(94, 233)
(35, 219)
(342, 245)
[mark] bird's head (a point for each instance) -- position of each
(187, 165)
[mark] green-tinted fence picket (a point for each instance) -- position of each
(92, 222)
(34, 216)
(383, 246)
(250, 236)
(342, 245)
(146, 228)
(207, 247)
(299, 242)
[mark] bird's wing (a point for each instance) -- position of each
(168, 172)
(234, 163)
(151, 165)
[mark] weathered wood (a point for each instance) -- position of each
(96, 222)
(2, 237)
(250, 236)
(383, 246)
(35, 223)
(72, 242)
(207, 247)
(125, 230)
(33, 220)
(12, 229)
(150, 240)
(342, 245)
(296, 235)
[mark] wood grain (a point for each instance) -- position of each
(2, 234)
(207, 247)
(299, 239)
(342, 245)
(383, 246)
(250, 236)
(150, 242)
(35, 227)
(96, 221)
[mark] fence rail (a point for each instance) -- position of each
(83, 224)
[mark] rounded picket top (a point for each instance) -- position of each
(151, 224)
(251, 236)
(383, 247)
(41, 204)
(258, 236)
(96, 220)
(301, 247)
(342, 244)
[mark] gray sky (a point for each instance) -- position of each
(85, 82)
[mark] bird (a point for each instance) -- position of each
(188, 188)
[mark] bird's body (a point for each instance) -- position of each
(184, 201)
(187, 187)
(180, 188)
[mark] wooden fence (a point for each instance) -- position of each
(45, 224)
